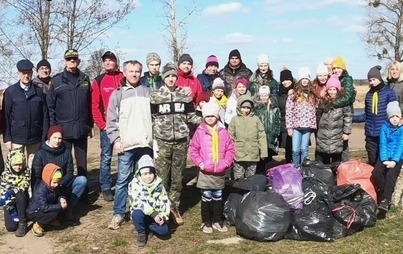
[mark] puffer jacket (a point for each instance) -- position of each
(397, 86)
(333, 123)
(188, 80)
(11, 180)
(229, 76)
(248, 134)
(200, 149)
(391, 143)
(349, 93)
(300, 114)
(207, 80)
(257, 80)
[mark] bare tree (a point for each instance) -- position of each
(384, 37)
(95, 64)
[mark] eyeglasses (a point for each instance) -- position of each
(71, 58)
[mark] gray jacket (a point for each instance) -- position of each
(398, 88)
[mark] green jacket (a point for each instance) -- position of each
(348, 97)
(258, 80)
(248, 134)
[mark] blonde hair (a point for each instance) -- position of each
(399, 67)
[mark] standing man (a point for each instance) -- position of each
(102, 88)
(186, 79)
(152, 77)
(44, 69)
(69, 103)
(129, 129)
(25, 114)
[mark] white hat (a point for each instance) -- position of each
(210, 109)
(146, 164)
(321, 69)
(304, 72)
(218, 83)
(262, 58)
(264, 90)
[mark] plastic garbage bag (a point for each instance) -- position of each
(320, 171)
(255, 182)
(230, 207)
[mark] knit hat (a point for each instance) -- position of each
(339, 62)
(375, 72)
(264, 90)
(393, 109)
(146, 165)
(43, 62)
(304, 73)
(247, 104)
(234, 52)
(286, 75)
(185, 58)
(321, 70)
(333, 81)
(218, 83)
(25, 65)
(243, 81)
(57, 175)
(212, 60)
(262, 58)
(17, 158)
(153, 57)
(53, 129)
(210, 109)
(169, 69)
(203, 96)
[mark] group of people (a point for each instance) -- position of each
(229, 119)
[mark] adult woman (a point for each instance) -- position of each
(395, 80)
(263, 76)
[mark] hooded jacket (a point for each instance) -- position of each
(11, 180)
(229, 76)
(391, 143)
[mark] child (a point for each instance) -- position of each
(387, 167)
(219, 98)
(46, 202)
(322, 75)
(334, 124)
(301, 116)
(212, 149)
(14, 192)
(263, 76)
(202, 99)
(241, 88)
(376, 100)
(149, 203)
(249, 137)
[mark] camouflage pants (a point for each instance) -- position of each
(170, 163)
(244, 169)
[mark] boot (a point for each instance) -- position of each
(177, 216)
(22, 229)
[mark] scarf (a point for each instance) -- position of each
(375, 97)
(221, 102)
(214, 143)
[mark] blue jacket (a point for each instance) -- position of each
(25, 115)
(155, 83)
(69, 102)
(44, 199)
(207, 80)
(375, 116)
(391, 143)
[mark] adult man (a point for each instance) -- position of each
(152, 77)
(69, 103)
(102, 88)
(207, 77)
(25, 114)
(186, 78)
(129, 129)
(234, 70)
(44, 69)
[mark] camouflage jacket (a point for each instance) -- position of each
(171, 111)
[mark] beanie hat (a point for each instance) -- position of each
(243, 81)
(375, 72)
(262, 58)
(393, 109)
(304, 73)
(153, 57)
(203, 96)
(57, 175)
(339, 62)
(247, 104)
(185, 58)
(333, 81)
(169, 69)
(210, 109)
(321, 69)
(212, 60)
(264, 90)
(286, 75)
(234, 52)
(43, 62)
(146, 165)
(218, 83)
(17, 158)
(53, 129)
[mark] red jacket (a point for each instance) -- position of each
(101, 89)
(188, 80)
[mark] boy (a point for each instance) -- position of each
(14, 192)
(388, 166)
(249, 137)
(149, 203)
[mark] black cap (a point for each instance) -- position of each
(109, 54)
(25, 65)
(70, 53)
(234, 52)
(43, 62)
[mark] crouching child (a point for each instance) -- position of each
(149, 203)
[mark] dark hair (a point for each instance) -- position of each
(269, 73)
(132, 62)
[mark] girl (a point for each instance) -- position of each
(301, 115)
(334, 124)
(320, 81)
(218, 97)
(241, 88)
(212, 149)
(263, 76)
(395, 80)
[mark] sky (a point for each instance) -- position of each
(292, 33)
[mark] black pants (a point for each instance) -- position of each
(372, 147)
(288, 149)
(328, 158)
(345, 155)
(385, 179)
(1, 161)
(21, 202)
(80, 153)
(42, 218)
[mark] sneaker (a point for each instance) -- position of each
(107, 194)
(384, 205)
(141, 240)
(116, 222)
(220, 226)
(207, 228)
(150, 236)
(37, 230)
(177, 216)
(21, 230)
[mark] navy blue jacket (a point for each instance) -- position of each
(69, 102)
(25, 115)
(206, 80)
(374, 117)
(44, 199)
(145, 81)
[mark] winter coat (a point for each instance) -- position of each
(221, 109)
(154, 83)
(397, 86)
(11, 180)
(206, 80)
(69, 102)
(349, 93)
(25, 115)
(375, 115)
(300, 114)
(229, 76)
(44, 85)
(248, 134)
(231, 110)
(257, 80)
(200, 149)
(151, 198)
(188, 80)
(391, 143)
(333, 123)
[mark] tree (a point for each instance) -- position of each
(95, 64)
(384, 36)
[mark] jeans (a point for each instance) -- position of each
(145, 223)
(105, 178)
(126, 163)
(300, 145)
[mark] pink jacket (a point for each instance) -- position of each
(200, 149)
(299, 114)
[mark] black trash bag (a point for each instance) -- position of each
(230, 206)
(314, 222)
(320, 171)
(352, 207)
(263, 216)
(255, 183)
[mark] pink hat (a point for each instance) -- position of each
(243, 81)
(333, 81)
(212, 60)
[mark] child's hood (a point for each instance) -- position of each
(137, 184)
(241, 99)
(48, 172)
(15, 156)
